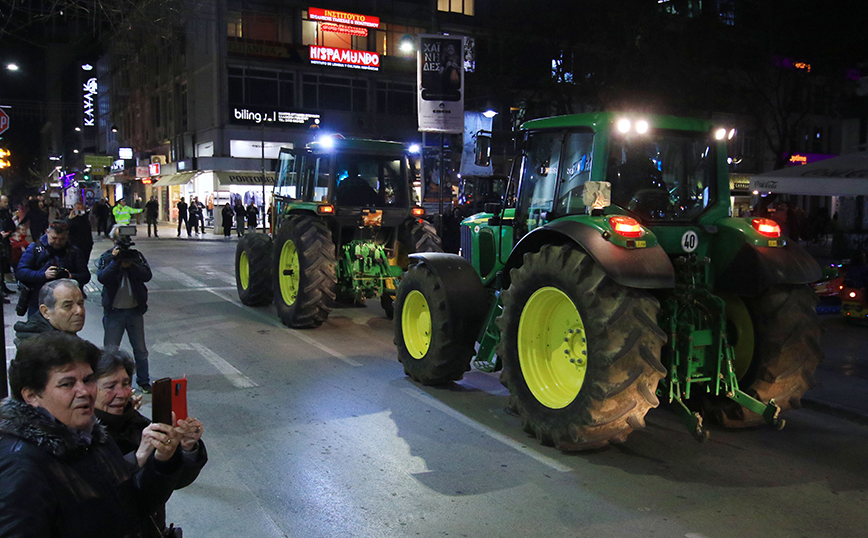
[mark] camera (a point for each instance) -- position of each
(62, 272)
(125, 243)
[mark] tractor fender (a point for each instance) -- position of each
(754, 269)
(643, 268)
(466, 298)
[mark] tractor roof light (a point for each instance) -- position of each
(626, 226)
(623, 125)
(852, 294)
(720, 134)
(766, 227)
(641, 126)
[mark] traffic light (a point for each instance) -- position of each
(4, 162)
(86, 176)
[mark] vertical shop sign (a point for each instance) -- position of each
(440, 78)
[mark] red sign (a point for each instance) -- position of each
(154, 169)
(4, 121)
(146, 180)
(330, 15)
(357, 59)
(343, 29)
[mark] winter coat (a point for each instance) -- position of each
(110, 273)
(195, 212)
(40, 256)
(227, 215)
(152, 209)
(38, 220)
(182, 210)
(123, 214)
(252, 214)
(34, 325)
(79, 232)
(56, 485)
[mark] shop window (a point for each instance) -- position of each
(389, 36)
(312, 34)
(335, 93)
(395, 98)
(233, 24)
(456, 6)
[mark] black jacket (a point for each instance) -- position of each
(152, 209)
(252, 214)
(34, 325)
(57, 486)
(79, 232)
(110, 272)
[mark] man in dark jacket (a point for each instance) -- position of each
(62, 475)
(101, 211)
(152, 211)
(61, 308)
(7, 228)
(79, 230)
(125, 301)
(50, 258)
(182, 216)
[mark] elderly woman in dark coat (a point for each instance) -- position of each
(62, 475)
(131, 430)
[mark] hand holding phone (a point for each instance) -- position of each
(170, 395)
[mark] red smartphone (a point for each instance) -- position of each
(179, 398)
(170, 395)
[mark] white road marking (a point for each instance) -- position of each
(303, 337)
(230, 372)
(515, 445)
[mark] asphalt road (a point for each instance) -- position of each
(318, 433)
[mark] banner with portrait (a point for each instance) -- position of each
(440, 78)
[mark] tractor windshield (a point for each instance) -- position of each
(370, 180)
(667, 176)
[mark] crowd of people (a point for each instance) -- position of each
(76, 456)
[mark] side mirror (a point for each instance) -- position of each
(482, 151)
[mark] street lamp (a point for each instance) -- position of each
(12, 66)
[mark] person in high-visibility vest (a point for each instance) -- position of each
(123, 213)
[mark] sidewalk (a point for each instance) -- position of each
(168, 230)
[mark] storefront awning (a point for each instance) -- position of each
(113, 179)
(243, 177)
(181, 178)
(846, 175)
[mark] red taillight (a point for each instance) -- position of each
(766, 227)
(325, 209)
(418, 211)
(626, 226)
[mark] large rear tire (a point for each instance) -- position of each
(421, 236)
(785, 354)
(435, 335)
(304, 272)
(581, 353)
(253, 269)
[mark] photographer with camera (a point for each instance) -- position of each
(50, 258)
(123, 272)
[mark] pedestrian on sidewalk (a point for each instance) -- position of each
(152, 211)
(36, 218)
(125, 301)
(252, 214)
(80, 234)
(226, 215)
(182, 216)
(7, 228)
(240, 217)
(195, 217)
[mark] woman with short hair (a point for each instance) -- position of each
(62, 474)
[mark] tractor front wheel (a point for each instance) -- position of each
(304, 272)
(253, 269)
(434, 336)
(784, 355)
(581, 353)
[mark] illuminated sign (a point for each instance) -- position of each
(244, 115)
(154, 169)
(330, 15)
(343, 29)
(147, 181)
(356, 59)
(89, 90)
(798, 159)
(142, 171)
(125, 153)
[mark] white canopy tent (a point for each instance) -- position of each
(846, 175)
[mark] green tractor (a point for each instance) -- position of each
(619, 279)
(345, 220)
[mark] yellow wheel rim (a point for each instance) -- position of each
(552, 347)
(739, 333)
(416, 324)
(244, 270)
(288, 273)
